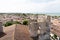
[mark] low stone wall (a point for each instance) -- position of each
(9, 31)
(9, 28)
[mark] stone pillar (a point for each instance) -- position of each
(33, 27)
(41, 24)
(45, 29)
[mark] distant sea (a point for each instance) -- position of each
(53, 14)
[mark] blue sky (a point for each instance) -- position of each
(30, 6)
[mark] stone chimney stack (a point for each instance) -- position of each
(33, 27)
(48, 19)
(45, 29)
(40, 27)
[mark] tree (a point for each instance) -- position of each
(24, 14)
(8, 23)
(25, 22)
(55, 36)
(16, 22)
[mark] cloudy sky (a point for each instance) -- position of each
(30, 6)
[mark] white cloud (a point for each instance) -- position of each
(40, 1)
(29, 6)
(53, 7)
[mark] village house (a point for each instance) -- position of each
(55, 28)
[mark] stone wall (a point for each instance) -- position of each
(33, 27)
(1, 28)
(44, 28)
(45, 34)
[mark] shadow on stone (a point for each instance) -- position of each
(2, 34)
